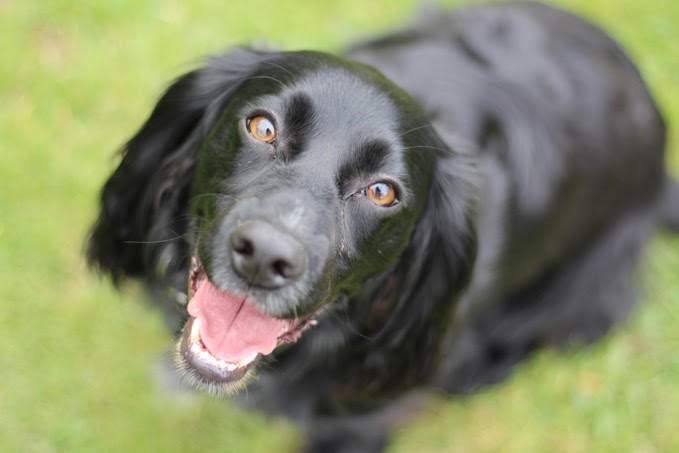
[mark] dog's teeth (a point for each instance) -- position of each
(195, 331)
(196, 348)
(248, 359)
(313, 322)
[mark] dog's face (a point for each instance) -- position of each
(304, 188)
(305, 177)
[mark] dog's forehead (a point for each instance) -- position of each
(340, 102)
(347, 114)
(342, 97)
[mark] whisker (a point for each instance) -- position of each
(443, 150)
(424, 126)
(345, 320)
(242, 302)
(213, 194)
(283, 85)
(159, 241)
(280, 66)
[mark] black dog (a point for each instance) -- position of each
(425, 212)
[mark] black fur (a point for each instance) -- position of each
(528, 156)
(670, 206)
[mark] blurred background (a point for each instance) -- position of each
(77, 359)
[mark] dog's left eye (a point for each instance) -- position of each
(262, 128)
(382, 194)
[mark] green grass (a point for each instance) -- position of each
(75, 81)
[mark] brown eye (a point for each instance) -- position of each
(262, 128)
(382, 194)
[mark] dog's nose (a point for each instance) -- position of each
(265, 256)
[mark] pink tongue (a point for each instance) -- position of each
(233, 330)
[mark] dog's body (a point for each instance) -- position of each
(521, 215)
(570, 151)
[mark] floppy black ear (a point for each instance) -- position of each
(144, 202)
(437, 264)
(407, 314)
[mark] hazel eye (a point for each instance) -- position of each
(262, 128)
(382, 194)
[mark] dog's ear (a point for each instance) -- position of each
(410, 309)
(437, 264)
(143, 203)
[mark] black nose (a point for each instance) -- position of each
(265, 256)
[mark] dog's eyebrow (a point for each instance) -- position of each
(299, 116)
(368, 158)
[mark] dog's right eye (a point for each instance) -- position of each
(382, 194)
(262, 128)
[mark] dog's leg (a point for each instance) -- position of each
(669, 207)
(364, 433)
(355, 435)
(575, 303)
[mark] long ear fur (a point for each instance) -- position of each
(143, 204)
(405, 319)
(435, 268)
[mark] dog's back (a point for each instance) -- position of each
(570, 146)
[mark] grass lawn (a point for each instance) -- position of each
(77, 78)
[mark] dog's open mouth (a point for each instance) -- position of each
(226, 334)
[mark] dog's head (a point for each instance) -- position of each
(269, 186)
